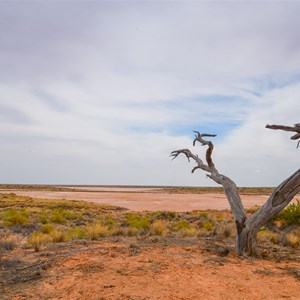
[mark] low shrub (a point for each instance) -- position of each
(132, 231)
(290, 215)
(118, 231)
(57, 236)
(203, 214)
(47, 228)
(208, 225)
(266, 235)
(190, 231)
(137, 221)
(37, 239)
(292, 240)
(159, 227)
(44, 219)
(163, 215)
(182, 224)
(13, 217)
(110, 222)
(96, 231)
(184, 228)
(58, 217)
(8, 242)
(76, 233)
(171, 215)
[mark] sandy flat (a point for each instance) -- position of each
(152, 201)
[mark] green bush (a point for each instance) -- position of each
(58, 217)
(203, 214)
(76, 233)
(208, 225)
(47, 228)
(171, 215)
(110, 222)
(13, 217)
(44, 219)
(182, 224)
(290, 215)
(70, 215)
(138, 222)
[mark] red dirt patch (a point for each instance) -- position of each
(103, 270)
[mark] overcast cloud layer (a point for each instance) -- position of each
(102, 92)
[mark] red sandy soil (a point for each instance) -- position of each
(107, 270)
(132, 269)
(151, 200)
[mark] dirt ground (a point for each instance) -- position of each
(148, 268)
(151, 200)
(118, 270)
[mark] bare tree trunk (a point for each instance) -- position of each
(280, 198)
(247, 228)
(246, 241)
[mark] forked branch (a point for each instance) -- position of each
(189, 154)
(229, 186)
(295, 128)
(200, 165)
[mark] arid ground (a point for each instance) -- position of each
(144, 265)
(141, 199)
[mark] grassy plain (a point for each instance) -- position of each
(31, 229)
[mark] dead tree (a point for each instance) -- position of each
(247, 227)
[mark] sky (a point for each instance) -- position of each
(101, 92)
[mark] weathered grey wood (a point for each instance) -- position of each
(295, 128)
(247, 228)
(279, 199)
(229, 186)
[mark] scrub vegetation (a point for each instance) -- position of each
(28, 222)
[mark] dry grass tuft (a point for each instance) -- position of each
(37, 239)
(267, 235)
(94, 232)
(8, 242)
(57, 236)
(292, 240)
(159, 227)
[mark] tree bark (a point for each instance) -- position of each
(280, 198)
(246, 242)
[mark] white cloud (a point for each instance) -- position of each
(103, 92)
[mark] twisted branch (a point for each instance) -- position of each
(229, 186)
(295, 128)
(210, 167)
(189, 154)
(199, 138)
